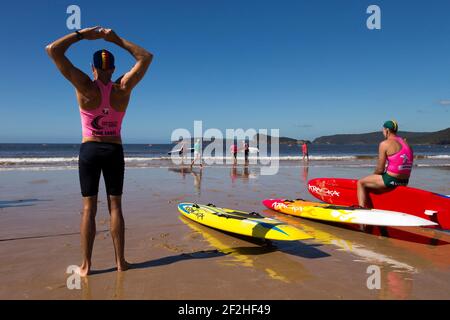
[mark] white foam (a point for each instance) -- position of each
(439, 156)
(356, 160)
(38, 160)
(35, 168)
(434, 165)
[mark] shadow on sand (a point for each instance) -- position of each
(207, 254)
(19, 203)
(295, 248)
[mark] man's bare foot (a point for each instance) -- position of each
(123, 266)
(84, 269)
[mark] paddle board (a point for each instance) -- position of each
(423, 204)
(333, 213)
(240, 222)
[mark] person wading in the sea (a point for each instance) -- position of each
(305, 152)
(102, 105)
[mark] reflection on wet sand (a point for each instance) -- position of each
(430, 247)
(244, 173)
(86, 292)
(323, 235)
(390, 268)
(397, 269)
(305, 173)
(261, 256)
(197, 175)
(118, 294)
(197, 181)
(182, 170)
(396, 285)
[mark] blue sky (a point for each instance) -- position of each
(309, 68)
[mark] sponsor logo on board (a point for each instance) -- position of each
(281, 205)
(278, 205)
(323, 191)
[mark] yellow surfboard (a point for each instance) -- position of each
(240, 222)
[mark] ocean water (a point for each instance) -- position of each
(62, 156)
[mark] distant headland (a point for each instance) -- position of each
(441, 137)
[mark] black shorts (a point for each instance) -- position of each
(98, 157)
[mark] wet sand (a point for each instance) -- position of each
(175, 258)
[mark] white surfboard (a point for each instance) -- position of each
(325, 212)
(188, 150)
(378, 217)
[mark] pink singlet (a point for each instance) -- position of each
(402, 161)
(104, 120)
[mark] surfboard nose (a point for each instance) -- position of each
(269, 202)
(182, 206)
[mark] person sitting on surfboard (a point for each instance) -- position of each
(102, 106)
(399, 157)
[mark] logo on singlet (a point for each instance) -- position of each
(406, 163)
(105, 111)
(95, 123)
(405, 158)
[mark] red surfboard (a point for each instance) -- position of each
(421, 203)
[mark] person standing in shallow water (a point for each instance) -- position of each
(395, 162)
(102, 105)
(197, 153)
(234, 150)
(305, 152)
(246, 148)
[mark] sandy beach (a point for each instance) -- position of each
(267, 95)
(175, 258)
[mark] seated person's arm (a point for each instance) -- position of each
(382, 156)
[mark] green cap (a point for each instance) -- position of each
(391, 124)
